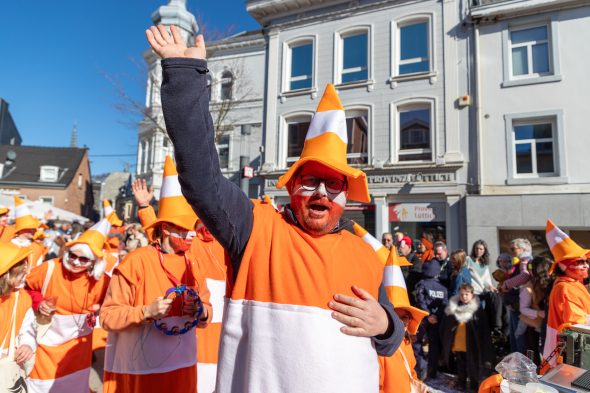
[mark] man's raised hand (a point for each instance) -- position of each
(166, 45)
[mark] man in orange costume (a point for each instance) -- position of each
(139, 356)
(302, 314)
(212, 256)
(67, 292)
(569, 302)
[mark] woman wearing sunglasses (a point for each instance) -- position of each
(569, 302)
(67, 293)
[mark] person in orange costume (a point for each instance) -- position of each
(6, 230)
(17, 325)
(569, 301)
(25, 228)
(68, 291)
(139, 357)
(397, 372)
(212, 255)
(302, 307)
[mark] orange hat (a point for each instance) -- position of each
(395, 286)
(173, 207)
(326, 143)
(380, 249)
(110, 214)
(562, 247)
(95, 237)
(23, 217)
(10, 255)
(3, 210)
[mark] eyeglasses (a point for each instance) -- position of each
(311, 183)
(579, 264)
(73, 257)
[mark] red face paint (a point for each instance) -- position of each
(179, 244)
(317, 211)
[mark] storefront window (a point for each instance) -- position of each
(418, 220)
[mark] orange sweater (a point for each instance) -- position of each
(139, 357)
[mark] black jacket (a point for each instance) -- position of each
(431, 296)
(480, 351)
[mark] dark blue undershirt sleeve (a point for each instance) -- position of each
(219, 203)
(388, 343)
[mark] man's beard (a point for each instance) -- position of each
(316, 226)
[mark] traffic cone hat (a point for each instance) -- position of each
(395, 286)
(380, 249)
(173, 207)
(23, 217)
(11, 254)
(326, 142)
(95, 237)
(563, 248)
(110, 214)
(3, 210)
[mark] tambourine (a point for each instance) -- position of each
(173, 293)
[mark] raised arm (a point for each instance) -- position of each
(219, 203)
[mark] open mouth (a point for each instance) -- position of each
(318, 208)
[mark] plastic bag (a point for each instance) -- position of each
(518, 370)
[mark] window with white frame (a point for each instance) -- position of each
(49, 173)
(227, 84)
(530, 52)
(415, 132)
(414, 47)
(300, 67)
(354, 56)
(296, 131)
(357, 128)
(223, 151)
(534, 147)
(46, 199)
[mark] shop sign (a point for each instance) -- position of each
(416, 212)
(404, 178)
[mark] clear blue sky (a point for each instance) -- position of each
(54, 58)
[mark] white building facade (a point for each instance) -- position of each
(402, 72)
(533, 90)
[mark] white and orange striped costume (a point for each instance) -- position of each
(569, 302)
(212, 257)
(64, 353)
(277, 319)
(396, 372)
(139, 357)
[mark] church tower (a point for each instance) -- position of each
(153, 142)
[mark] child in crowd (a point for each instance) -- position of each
(466, 335)
(505, 268)
(17, 321)
(461, 274)
(432, 296)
